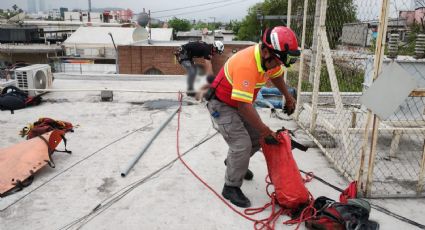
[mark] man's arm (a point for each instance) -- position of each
(251, 116)
(289, 100)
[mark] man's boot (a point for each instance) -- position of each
(248, 175)
(235, 196)
(191, 93)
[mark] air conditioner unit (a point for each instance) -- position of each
(34, 77)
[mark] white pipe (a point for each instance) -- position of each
(135, 159)
(104, 89)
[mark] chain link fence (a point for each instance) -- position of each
(338, 65)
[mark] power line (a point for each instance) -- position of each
(202, 10)
(187, 7)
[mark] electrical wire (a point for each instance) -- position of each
(78, 162)
(188, 7)
(201, 10)
(115, 197)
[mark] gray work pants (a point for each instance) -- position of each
(242, 139)
(191, 73)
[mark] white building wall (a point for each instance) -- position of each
(85, 68)
(72, 16)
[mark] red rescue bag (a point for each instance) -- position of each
(44, 125)
(349, 193)
(290, 190)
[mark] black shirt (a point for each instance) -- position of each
(198, 49)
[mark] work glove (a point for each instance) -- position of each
(268, 136)
(289, 107)
(271, 140)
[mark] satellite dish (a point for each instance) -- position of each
(17, 18)
(140, 34)
(143, 19)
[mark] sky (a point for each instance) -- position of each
(218, 10)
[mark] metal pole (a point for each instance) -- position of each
(116, 54)
(158, 131)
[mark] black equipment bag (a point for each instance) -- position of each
(12, 98)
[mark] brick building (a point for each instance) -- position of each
(158, 58)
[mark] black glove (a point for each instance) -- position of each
(270, 140)
(288, 111)
(210, 78)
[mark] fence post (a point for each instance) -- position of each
(379, 57)
(288, 24)
(301, 70)
(288, 14)
(420, 186)
(318, 64)
(315, 42)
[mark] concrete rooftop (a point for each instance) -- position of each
(111, 133)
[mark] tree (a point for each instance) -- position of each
(179, 24)
(338, 13)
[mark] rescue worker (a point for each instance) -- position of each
(231, 97)
(197, 49)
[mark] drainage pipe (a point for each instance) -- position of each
(137, 157)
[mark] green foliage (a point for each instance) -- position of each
(179, 24)
(349, 79)
(408, 48)
(10, 13)
(338, 13)
(210, 25)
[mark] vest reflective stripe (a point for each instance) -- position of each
(278, 73)
(242, 95)
(258, 58)
(227, 74)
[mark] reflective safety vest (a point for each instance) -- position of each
(242, 76)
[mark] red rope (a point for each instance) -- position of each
(269, 222)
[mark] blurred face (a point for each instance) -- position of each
(268, 60)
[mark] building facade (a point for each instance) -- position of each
(160, 59)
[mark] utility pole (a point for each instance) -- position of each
(116, 54)
(89, 11)
(213, 28)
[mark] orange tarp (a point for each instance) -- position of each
(22, 160)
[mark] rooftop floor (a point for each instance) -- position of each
(159, 193)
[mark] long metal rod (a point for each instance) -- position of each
(148, 144)
(104, 89)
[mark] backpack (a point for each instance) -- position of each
(332, 215)
(44, 125)
(13, 98)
